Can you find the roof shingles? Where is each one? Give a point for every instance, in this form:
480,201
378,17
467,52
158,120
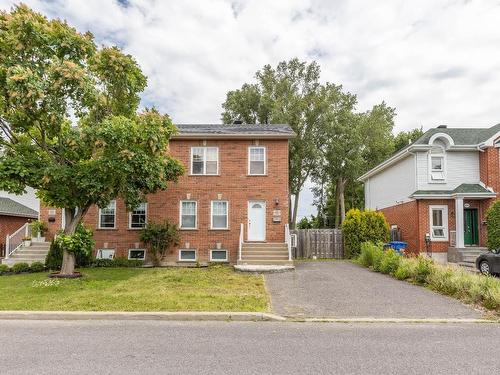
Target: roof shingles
236,129
10,207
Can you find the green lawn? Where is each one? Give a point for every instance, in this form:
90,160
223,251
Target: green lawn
136,289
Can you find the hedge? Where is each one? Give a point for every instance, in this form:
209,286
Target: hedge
363,226
493,220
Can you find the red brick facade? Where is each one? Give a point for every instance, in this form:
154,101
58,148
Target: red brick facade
413,217
9,224
232,184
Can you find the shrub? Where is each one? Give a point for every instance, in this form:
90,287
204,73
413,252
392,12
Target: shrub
82,246
37,267
367,254
159,237
407,269
117,262
390,262
493,221
20,267
39,226
362,226
4,269
423,269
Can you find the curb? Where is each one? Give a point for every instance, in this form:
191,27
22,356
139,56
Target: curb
394,320
167,316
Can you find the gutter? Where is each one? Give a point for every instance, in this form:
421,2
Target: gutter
232,136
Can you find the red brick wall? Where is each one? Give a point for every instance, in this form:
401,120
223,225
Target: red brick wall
424,227
233,183
405,217
9,224
489,164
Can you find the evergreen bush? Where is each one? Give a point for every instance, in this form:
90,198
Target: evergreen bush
493,229
363,226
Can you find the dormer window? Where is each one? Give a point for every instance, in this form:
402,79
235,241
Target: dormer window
437,164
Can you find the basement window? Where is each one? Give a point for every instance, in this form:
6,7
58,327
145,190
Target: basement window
187,255
105,254
137,254
218,256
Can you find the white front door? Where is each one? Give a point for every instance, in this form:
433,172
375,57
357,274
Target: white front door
256,221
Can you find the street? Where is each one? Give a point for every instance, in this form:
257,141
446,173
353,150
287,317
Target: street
160,347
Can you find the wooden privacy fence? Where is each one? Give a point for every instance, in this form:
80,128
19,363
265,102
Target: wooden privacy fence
322,243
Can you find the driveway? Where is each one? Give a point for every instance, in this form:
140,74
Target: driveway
342,289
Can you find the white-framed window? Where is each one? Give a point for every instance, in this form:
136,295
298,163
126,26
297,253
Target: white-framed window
107,216
437,165
218,255
219,215
257,160
138,217
105,254
188,215
204,160
187,255
137,254
438,223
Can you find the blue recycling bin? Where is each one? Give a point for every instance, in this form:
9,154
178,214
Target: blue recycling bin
399,246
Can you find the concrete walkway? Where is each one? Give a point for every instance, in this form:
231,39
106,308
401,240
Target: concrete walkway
342,289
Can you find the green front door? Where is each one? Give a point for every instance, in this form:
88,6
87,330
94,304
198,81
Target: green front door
471,229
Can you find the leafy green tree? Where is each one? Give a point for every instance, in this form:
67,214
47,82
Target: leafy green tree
68,114
405,138
353,143
493,229
159,237
291,94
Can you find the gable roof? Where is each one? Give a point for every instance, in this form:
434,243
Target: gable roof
276,131
463,139
461,136
10,207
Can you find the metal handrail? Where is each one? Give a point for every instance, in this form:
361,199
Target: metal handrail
288,240
241,241
15,240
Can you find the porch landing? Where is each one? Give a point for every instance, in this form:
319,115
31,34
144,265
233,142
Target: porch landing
465,256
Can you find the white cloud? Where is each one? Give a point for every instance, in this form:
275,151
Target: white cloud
436,61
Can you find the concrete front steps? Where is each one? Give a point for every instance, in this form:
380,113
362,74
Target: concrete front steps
29,254
467,257
265,254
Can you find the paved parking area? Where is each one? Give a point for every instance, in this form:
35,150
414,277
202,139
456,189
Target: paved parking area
342,289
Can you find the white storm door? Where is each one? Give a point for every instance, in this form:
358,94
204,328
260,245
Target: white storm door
256,221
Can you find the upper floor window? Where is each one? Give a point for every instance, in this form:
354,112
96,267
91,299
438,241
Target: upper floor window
438,223
188,215
205,160
257,160
138,217
219,215
437,160
107,216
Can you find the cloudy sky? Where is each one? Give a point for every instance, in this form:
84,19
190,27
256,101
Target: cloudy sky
435,61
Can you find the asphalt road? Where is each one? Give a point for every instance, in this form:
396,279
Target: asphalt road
342,289
154,347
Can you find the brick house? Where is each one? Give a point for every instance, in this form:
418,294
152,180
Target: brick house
13,215
436,191
236,178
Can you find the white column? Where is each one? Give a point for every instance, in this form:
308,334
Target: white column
459,221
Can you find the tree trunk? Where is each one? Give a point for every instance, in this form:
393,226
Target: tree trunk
337,206
342,199
72,218
295,209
